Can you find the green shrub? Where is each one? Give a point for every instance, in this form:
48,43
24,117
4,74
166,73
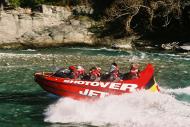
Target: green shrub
30,3
33,3
15,3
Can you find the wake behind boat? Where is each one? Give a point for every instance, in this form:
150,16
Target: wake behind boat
84,89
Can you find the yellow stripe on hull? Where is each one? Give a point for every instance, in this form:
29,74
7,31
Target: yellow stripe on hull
154,87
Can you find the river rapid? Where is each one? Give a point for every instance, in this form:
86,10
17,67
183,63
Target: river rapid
23,103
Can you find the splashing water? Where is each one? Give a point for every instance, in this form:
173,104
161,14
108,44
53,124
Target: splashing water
141,109
179,90
23,102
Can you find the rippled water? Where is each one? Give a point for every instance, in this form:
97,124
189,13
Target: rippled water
24,103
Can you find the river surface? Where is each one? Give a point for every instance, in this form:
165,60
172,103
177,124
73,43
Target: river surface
23,103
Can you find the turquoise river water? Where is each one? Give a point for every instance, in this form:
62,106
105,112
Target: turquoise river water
23,103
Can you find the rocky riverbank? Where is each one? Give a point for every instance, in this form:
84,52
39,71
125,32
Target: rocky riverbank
51,26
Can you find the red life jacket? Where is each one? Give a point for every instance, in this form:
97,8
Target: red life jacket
81,71
95,73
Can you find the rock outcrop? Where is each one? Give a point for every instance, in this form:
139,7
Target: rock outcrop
66,33
51,27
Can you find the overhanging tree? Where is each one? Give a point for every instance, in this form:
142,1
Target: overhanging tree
157,14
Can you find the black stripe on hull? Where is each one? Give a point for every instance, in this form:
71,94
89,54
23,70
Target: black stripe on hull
150,83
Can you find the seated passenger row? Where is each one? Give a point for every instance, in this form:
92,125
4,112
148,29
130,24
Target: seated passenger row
78,73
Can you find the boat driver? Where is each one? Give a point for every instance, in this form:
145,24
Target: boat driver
76,72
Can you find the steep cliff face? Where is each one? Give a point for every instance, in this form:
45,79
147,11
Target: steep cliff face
50,27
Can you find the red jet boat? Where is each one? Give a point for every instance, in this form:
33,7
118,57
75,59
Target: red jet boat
82,89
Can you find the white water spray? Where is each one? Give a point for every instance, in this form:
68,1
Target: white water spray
185,90
141,109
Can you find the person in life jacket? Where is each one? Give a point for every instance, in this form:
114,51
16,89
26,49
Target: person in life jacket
95,74
76,72
80,72
114,72
73,72
134,71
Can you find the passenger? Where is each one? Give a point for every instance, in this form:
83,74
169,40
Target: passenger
80,72
95,74
134,71
114,73
72,74
76,72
